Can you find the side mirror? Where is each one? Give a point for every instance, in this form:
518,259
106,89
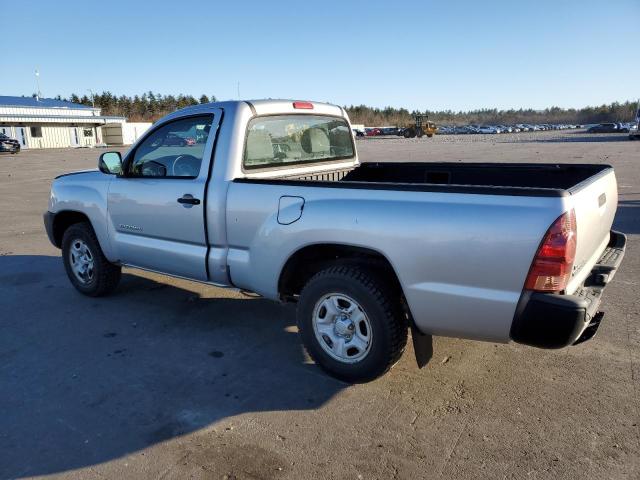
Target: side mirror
110,163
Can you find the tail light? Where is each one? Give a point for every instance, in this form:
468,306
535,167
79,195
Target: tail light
552,265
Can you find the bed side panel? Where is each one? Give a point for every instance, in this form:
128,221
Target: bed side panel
461,259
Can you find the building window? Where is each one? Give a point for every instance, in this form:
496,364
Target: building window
36,132
87,132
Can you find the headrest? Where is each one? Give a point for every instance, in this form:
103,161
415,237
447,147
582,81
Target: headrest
315,140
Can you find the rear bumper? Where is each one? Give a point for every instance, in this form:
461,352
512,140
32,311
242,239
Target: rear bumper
547,320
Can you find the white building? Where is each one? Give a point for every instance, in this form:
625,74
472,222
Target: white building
124,133
50,123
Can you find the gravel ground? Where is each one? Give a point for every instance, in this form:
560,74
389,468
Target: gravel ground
169,379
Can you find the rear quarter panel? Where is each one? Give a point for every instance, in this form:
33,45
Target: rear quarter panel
461,258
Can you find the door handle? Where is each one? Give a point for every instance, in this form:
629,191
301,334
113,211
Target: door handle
187,199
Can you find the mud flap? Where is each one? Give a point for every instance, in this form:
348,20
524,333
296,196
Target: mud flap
422,346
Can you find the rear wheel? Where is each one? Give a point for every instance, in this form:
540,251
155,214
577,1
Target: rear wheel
351,323
419,132
87,267
408,133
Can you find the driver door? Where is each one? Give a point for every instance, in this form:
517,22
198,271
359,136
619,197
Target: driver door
156,208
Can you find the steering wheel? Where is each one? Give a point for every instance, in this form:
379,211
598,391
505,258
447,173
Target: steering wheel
186,166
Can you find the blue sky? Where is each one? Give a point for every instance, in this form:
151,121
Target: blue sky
436,55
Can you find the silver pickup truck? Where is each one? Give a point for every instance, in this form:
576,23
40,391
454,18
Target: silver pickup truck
269,196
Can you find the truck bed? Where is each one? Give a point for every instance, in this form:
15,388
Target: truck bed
588,189
489,178
552,176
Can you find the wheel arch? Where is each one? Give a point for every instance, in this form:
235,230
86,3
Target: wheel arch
63,220
310,259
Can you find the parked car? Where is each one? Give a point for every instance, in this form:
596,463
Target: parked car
488,129
373,132
358,133
634,133
493,252
8,144
604,128
172,140
444,130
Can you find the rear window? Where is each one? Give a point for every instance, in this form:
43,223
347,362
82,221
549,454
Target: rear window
280,140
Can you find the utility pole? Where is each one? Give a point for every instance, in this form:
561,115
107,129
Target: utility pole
38,93
93,104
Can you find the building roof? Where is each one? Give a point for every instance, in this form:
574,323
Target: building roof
74,119
39,103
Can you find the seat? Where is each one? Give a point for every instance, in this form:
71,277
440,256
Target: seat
316,141
259,147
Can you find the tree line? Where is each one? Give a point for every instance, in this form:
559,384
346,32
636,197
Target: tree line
151,106
614,112
147,107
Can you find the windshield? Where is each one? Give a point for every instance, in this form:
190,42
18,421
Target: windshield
2,135
291,139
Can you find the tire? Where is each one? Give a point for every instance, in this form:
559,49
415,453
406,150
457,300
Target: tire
101,277
429,135
419,133
378,310
408,133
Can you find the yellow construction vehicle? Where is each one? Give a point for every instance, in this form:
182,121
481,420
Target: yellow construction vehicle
422,126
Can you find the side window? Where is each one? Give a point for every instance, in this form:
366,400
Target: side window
173,150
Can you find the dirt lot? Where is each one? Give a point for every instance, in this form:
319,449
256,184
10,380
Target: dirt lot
168,379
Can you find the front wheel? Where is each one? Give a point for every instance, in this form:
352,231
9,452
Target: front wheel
87,267
352,323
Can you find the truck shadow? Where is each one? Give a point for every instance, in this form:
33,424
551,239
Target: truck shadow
628,217
85,380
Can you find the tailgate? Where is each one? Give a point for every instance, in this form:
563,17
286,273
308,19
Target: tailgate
595,202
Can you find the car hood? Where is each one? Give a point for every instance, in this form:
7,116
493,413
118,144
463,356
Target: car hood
88,173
